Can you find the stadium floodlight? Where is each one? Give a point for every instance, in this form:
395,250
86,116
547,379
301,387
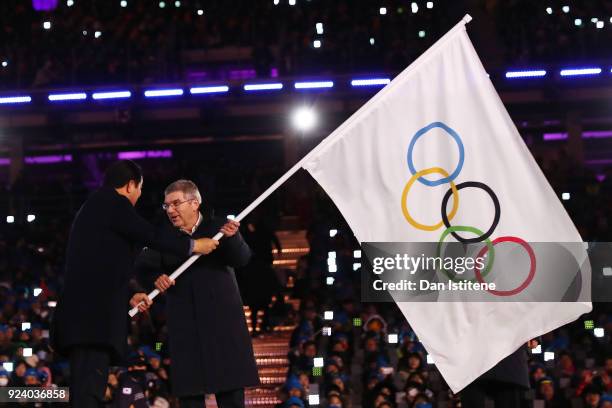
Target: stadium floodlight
580,71
304,119
15,99
177,4
531,73
263,87
160,93
208,89
5,63
162,4
111,95
370,82
74,96
313,85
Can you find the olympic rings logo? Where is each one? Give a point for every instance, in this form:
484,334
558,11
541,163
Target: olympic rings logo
446,217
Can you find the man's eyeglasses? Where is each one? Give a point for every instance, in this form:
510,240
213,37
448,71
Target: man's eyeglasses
174,204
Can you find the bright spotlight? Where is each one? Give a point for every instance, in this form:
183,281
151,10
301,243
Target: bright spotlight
382,11
31,217
10,219
549,10
47,25
414,7
304,119
200,12
123,3
319,27
316,43
565,9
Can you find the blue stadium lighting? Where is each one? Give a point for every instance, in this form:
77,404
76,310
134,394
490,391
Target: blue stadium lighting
370,82
526,74
208,89
111,95
156,93
15,99
78,96
580,71
263,87
314,85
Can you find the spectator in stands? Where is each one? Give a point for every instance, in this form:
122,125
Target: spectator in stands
547,392
4,377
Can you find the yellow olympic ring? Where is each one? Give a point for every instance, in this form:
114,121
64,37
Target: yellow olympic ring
414,178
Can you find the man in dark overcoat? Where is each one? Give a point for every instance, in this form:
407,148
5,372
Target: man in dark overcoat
209,343
90,324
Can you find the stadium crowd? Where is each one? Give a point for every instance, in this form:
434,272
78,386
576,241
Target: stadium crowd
137,41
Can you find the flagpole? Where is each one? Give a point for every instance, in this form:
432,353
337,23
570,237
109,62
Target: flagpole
327,141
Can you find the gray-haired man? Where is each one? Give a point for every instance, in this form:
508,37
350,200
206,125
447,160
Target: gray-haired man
210,347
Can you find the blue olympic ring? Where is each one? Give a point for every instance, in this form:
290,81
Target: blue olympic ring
454,135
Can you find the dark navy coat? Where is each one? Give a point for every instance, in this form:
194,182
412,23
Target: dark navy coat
106,236
209,343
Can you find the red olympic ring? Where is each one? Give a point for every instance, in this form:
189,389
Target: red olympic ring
532,268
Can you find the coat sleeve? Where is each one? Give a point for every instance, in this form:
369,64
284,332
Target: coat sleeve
235,251
148,267
127,222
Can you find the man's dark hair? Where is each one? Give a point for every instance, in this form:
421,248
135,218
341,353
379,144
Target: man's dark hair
122,172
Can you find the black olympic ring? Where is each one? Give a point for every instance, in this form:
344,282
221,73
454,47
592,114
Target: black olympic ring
491,193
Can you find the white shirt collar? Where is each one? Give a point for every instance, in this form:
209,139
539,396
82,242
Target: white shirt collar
196,225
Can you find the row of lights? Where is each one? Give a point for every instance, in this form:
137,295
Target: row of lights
578,21
10,219
567,72
169,92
